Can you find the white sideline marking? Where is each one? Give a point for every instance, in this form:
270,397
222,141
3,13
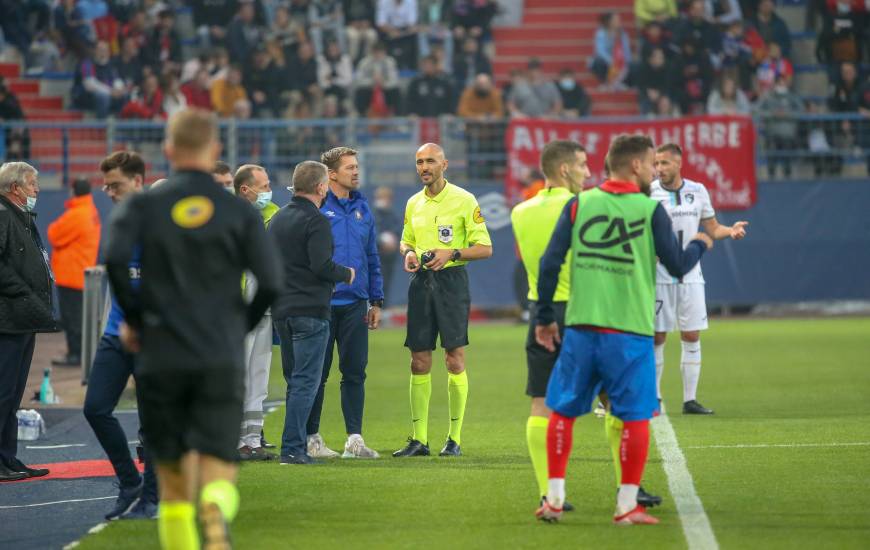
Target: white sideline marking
696,526
95,529
54,502
56,446
781,445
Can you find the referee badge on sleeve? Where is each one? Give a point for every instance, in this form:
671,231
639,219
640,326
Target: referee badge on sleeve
445,233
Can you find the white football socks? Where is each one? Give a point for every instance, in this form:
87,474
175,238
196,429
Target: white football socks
690,366
626,498
660,368
556,493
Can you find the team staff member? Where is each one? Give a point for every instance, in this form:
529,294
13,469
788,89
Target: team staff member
301,311
355,309
75,242
251,183
123,177
442,221
223,175
614,234
25,304
196,242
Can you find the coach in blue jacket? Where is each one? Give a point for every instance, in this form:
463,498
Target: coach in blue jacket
356,308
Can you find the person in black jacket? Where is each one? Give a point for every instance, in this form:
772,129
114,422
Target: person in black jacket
430,93
301,311
189,319
25,304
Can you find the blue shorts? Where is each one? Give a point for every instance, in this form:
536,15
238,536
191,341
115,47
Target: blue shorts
623,365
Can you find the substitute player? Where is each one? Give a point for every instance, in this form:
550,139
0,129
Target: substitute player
565,167
614,234
443,231
680,301
189,315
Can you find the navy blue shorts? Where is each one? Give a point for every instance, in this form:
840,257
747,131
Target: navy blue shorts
621,364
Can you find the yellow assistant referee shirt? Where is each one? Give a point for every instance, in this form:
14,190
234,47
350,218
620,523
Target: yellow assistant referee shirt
533,222
451,219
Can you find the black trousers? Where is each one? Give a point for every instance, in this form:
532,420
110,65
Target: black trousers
70,302
16,352
111,370
348,328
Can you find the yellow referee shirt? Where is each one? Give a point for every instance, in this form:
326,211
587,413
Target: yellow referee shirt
451,219
534,221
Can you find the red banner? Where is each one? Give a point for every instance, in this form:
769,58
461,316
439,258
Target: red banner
718,151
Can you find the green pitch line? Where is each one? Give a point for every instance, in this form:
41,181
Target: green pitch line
770,382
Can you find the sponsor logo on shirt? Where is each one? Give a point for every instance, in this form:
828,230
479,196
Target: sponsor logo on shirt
192,212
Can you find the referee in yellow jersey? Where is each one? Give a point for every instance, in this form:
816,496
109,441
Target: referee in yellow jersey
443,231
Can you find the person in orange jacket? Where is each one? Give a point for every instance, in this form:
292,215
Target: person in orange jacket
75,242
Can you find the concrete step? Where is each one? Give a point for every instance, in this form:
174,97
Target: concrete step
794,17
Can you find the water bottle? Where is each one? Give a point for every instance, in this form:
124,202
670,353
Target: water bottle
30,425
46,392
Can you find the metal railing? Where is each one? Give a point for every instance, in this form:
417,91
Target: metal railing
96,304
803,145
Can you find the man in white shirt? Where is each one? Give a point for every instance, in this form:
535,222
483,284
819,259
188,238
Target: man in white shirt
680,303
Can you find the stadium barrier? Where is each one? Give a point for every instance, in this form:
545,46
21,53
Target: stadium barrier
831,145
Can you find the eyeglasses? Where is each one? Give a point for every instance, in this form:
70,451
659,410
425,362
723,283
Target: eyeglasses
111,187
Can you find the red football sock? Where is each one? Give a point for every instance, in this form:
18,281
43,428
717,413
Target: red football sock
560,432
633,450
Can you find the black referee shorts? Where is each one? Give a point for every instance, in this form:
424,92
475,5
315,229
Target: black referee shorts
539,360
439,302
197,410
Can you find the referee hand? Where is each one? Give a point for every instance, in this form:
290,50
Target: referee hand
442,256
548,336
412,264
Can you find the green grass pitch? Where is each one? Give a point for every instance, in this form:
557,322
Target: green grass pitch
778,387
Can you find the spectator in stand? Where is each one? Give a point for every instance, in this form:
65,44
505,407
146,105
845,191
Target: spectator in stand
377,75
575,100
227,91
262,83
430,93
302,71
286,31
655,35
335,72
210,17
192,65
665,108
653,81
612,56
18,138
469,63
534,96
299,12
771,27
771,69
221,65
697,29
174,99
728,99
397,23
97,85
136,28
647,11
129,63
147,102
779,125
481,100
75,241
851,96
844,31
435,32
737,55
243,33
474,18
163,51
197,92
361,35
326,23
76,33
723,12
693,72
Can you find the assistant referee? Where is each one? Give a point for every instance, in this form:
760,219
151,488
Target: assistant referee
443,231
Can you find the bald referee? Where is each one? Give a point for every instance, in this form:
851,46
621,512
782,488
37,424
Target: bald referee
196,241
443,231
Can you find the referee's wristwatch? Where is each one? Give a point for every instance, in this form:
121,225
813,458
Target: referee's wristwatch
377,303
456,256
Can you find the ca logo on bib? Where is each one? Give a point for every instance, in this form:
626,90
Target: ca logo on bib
445,233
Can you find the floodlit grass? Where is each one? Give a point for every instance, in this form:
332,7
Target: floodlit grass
786,383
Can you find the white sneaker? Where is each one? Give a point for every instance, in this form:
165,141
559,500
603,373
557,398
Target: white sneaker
356,448
317,447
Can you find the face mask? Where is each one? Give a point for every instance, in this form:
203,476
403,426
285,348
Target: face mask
382,204
262,200
31,204
567,84
230,189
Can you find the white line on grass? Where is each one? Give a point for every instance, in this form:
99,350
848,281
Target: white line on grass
696,525
782,445
54,502
44,447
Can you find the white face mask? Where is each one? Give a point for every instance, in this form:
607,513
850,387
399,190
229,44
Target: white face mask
262,200
230,189
30,204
